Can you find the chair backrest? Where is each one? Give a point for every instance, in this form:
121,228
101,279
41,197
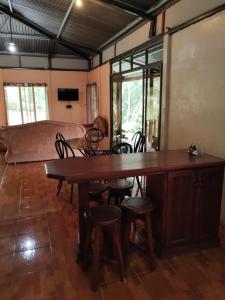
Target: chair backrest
94,135
59,136
141,147
136,140
122,148
63,149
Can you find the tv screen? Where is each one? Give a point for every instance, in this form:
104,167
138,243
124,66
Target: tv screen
68,94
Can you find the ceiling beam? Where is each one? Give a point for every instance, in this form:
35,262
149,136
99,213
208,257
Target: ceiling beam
24,36
71,46
10,5
65,19
131,9
155,9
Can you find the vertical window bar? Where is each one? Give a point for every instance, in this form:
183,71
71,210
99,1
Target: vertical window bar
46,103
21,107
34,104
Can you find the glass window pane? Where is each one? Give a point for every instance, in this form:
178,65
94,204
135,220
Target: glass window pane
155,54
116,67
13,105
139,59
132,104
41,103
27,104
126,64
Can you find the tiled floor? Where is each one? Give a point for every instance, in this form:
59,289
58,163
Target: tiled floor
37,241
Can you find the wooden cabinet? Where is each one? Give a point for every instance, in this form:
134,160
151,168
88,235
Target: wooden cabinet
189,202
180,206
208,203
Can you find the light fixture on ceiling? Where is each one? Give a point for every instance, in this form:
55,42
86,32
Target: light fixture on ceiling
11,45
79,3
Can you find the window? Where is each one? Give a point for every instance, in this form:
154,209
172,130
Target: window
92,102
26,103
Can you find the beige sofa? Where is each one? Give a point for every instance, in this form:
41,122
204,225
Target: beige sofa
36,141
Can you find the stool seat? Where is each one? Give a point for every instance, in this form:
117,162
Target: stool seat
120,184
97,188
103,215
137,205
119,189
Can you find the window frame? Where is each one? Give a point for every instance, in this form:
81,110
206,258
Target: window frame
19,86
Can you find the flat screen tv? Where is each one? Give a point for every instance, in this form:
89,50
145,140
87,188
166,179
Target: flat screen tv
68,94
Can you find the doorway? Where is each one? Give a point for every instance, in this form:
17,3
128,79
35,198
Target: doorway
136,105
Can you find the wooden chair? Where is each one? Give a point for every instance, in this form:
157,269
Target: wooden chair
95,189
64,151
139,146
136,208
99,218
94,135
136,140
121,187
59,136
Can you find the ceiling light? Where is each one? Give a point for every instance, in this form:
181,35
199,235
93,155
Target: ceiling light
12,47
79,3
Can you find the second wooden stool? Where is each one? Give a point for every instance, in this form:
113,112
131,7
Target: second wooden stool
134,208
97,219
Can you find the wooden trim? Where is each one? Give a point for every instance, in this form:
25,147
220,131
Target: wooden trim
46,69
196,19
23,84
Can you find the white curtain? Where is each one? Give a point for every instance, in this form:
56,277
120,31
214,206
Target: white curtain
92,102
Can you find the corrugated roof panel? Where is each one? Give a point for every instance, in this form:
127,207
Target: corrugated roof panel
46,13
94,23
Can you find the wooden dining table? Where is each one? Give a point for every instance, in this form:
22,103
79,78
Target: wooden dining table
186,192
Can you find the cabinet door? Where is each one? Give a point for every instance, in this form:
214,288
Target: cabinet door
179,211
209,195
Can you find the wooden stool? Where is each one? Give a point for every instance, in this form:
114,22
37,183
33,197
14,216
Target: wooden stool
134,208
99,218
119,189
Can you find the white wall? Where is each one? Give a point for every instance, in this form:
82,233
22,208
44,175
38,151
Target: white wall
197,88
185,10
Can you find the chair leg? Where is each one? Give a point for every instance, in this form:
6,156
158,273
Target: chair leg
59,187
96,258
86,246
118,248
126,236
148,229
71,194
139,186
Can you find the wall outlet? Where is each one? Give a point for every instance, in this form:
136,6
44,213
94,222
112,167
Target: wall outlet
69,106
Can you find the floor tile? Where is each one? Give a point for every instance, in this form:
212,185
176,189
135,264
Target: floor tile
27,225
32,241
6,265
8,227
33,260
7,245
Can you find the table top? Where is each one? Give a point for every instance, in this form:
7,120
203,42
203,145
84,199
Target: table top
126,165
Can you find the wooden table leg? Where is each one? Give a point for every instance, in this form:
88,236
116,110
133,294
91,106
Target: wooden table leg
83,201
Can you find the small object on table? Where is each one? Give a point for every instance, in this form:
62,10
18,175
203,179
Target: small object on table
194,150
